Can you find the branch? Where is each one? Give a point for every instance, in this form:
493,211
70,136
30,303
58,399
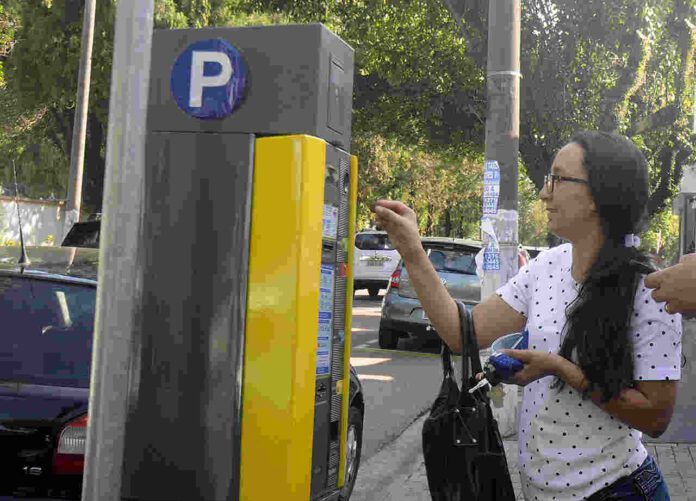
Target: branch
662,192
470,14
637,81
663,117
630,78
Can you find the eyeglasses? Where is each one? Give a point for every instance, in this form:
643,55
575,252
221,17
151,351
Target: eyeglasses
551,179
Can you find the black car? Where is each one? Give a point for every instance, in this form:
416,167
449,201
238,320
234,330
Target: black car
47,311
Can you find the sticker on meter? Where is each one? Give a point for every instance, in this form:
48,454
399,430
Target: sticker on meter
324,338
326,286
326,289
324,344
324,326
330,222
323,362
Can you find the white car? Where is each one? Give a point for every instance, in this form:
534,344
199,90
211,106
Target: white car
375,261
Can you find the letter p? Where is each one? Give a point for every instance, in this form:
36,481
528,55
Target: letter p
199,81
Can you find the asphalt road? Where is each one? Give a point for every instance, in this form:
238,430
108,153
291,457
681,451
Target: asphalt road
399,385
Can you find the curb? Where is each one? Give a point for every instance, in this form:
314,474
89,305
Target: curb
387,473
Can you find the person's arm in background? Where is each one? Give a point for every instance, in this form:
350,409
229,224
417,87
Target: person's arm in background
492,317
676,285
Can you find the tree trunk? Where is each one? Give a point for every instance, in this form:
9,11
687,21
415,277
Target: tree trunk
93,187
448,222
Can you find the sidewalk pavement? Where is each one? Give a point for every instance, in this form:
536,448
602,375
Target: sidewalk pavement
397,472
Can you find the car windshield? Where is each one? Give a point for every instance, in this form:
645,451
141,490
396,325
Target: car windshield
46,335
453,261
371,241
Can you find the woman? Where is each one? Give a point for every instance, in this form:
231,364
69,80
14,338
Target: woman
604,357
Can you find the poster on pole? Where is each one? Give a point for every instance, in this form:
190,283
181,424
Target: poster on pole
491,187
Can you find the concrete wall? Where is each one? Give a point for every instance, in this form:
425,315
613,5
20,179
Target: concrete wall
42,221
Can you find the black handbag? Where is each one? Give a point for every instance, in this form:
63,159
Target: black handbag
462,447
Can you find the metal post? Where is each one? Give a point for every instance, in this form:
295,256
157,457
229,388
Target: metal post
77,154
502,145
119,254
502,131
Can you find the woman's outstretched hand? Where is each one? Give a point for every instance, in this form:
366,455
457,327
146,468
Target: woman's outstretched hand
400,223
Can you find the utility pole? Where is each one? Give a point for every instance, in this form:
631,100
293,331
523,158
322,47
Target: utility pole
77,153
502,134
121,268
499,224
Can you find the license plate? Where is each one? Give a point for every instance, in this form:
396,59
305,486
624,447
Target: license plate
374,263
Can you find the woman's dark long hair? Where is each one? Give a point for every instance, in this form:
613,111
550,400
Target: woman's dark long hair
598,321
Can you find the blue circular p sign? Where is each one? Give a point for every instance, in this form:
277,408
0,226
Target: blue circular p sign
209,79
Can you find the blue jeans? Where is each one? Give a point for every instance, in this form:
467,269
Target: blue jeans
644,484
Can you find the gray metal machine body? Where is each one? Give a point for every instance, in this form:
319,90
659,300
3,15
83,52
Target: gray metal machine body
182,430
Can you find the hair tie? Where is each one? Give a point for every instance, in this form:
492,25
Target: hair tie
631,240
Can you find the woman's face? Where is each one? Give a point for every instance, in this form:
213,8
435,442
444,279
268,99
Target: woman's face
570,207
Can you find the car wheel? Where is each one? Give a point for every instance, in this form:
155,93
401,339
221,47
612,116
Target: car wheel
353,450
388,339
373,291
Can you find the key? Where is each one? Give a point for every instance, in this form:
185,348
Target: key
481,384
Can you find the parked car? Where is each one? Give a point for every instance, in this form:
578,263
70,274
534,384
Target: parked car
454,260
402,313
47,311
375,259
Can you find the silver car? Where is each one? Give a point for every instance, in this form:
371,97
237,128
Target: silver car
375,261
402,313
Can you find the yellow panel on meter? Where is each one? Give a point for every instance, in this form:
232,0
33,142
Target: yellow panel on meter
281,322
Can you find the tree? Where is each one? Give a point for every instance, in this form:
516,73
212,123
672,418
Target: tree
419,103
613,65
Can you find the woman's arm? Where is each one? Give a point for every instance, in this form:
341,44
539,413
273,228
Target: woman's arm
648,408
434,297
492,317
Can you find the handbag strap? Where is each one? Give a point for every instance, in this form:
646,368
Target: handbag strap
447,368
469,347
470,352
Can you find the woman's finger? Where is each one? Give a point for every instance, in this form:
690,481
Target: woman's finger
393,205
520,355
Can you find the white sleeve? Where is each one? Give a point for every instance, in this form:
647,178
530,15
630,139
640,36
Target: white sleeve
657,339
517,292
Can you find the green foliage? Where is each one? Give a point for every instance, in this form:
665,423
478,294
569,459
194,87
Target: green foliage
613,65
443,190
419,96
532,213
662,236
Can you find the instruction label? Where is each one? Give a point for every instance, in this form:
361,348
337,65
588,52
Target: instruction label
330,222
326,286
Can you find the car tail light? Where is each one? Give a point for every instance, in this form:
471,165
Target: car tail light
395,279
70,453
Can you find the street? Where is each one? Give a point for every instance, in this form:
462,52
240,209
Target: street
399,386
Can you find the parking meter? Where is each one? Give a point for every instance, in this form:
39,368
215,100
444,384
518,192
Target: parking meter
239,369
